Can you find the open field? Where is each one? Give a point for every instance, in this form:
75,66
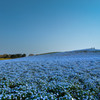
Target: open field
5,58
57,76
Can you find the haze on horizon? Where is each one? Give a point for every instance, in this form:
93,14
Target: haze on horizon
39,26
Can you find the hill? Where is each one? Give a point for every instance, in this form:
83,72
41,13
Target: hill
64,76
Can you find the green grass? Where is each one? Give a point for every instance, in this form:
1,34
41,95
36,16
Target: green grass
48,53
4,58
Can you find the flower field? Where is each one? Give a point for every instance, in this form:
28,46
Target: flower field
58,76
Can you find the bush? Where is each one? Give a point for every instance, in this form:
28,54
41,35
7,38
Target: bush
23,55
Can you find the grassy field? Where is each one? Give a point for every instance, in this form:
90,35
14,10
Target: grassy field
4,58
47,53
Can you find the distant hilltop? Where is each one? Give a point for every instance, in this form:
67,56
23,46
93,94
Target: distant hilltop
88,50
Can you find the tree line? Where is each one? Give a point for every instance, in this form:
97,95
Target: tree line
12,55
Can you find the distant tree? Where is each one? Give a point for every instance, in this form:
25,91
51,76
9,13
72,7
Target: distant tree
13,56
23,55
9,56
18,55
0,56
5,56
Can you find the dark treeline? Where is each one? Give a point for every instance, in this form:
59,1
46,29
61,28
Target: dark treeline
12,55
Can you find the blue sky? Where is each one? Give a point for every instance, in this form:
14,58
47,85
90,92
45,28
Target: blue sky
38,26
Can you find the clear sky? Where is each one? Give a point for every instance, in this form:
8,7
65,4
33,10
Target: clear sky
38,26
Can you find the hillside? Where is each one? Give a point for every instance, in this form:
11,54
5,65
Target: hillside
64,76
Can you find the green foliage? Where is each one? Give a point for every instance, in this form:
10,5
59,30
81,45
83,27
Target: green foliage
8,56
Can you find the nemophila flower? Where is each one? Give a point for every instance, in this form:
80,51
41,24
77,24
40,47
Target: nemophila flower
51,77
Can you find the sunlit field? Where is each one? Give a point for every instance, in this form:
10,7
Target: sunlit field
5,58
